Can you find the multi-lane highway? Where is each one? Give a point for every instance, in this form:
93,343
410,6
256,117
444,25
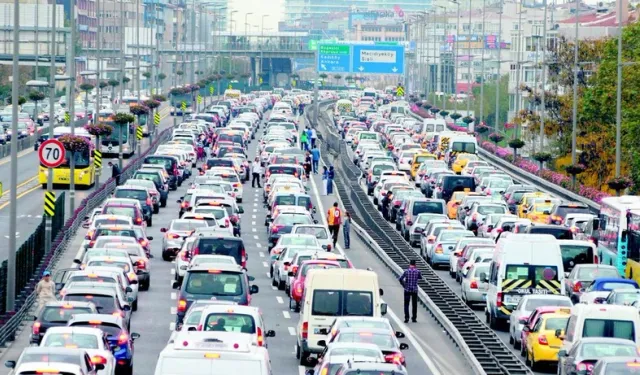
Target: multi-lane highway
31,194
430,352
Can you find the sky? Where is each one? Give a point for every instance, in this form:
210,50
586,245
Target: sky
271,8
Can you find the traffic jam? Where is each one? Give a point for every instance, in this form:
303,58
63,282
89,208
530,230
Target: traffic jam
525,260
93,326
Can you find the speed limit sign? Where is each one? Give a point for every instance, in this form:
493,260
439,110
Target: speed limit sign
51,153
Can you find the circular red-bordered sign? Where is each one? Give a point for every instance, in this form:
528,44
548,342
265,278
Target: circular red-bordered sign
51,153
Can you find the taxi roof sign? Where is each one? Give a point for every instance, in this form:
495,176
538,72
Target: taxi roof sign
212,342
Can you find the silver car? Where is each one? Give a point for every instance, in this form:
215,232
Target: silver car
484,230
474,290
527,304
419,226
281,265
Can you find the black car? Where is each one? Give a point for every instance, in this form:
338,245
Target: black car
57,314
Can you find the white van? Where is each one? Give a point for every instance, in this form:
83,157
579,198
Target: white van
330,293
434,125
209,353
617,321
522,264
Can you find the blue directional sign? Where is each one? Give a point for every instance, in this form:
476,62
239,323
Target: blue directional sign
378,59
334,58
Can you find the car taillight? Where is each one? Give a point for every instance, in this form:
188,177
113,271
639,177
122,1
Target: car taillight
395,358
36,328
260,337
123,338
305,330
243,257
577,286
409,220
499,299
119,314
584,366
195,251
184,204
173,235
89,235
98,360
138,220
439,249
182,305
298,289
143,242
91,243
141,264
542,340
294,269
184,255
473,284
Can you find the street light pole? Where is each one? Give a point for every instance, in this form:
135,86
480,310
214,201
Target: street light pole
98,75
544,76
618,92
48,224
138,72
13,198
122,66
72,106
482,75
37,43
455,58
246,22
574,126
469,91
498,78
518,53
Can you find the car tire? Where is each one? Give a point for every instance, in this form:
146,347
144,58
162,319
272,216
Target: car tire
493,322
166,257
273,280
163,203
453,275
303,358
516,344
145,286
281,285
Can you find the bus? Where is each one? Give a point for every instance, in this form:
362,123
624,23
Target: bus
232,94
616,219
84,173
110,145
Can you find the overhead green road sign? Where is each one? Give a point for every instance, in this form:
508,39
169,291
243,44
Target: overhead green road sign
334,49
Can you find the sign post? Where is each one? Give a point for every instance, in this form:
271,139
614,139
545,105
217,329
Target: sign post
51,154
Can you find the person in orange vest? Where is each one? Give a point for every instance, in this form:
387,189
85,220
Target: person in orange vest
334,219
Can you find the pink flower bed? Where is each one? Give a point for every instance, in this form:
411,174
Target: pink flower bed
533,167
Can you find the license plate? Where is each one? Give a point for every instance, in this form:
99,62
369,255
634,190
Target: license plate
532,291
316,331
211,345
512,300
484,297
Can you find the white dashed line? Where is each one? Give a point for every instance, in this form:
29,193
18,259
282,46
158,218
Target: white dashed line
173,311
173,261
173,271
174,296
279,299
264,264
292,331
261,254
256,237
273,287
268,275
255,210
253,216
258,245
253,223
172,326
286,314
254,230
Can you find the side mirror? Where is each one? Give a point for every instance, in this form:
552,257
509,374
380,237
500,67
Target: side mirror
179,200
489,227
128,290
99,366
254,289
400,335
322,343
163,230
383,309
562,353
77,261
192,329
431,239
126,308
404,346
149,238
287,264
175,285
10,364
380,290
240,209
315,221
270,333
314,210
135,336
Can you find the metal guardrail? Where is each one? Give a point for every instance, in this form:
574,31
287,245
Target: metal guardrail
531,179
483,349
10,322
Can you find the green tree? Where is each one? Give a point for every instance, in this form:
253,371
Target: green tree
490,101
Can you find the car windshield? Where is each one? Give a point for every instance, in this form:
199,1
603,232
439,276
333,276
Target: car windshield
320,233
75,340
435,207
486,210
384,341
218,213
534,303
292,219
591,273
230,322
184,226
451,235
563,211
215,283
59,314
104,304
575,254
108,328
132,194
115,232
39,357
307,267
553,324
299,241
124,211
598,350
111,221
626,298
109,263
342,302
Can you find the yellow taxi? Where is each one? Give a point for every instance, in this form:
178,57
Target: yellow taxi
538,212
542,343
454,202
418,158
461,162
525,202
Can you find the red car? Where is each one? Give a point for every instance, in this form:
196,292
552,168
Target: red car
297,285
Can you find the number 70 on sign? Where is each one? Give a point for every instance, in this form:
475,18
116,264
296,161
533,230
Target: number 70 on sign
51,153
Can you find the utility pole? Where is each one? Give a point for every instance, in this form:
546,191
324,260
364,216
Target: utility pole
37,43
72,104
499,78
13,198
48,223
455,58
618,90
98,74
139,143
122,66
518,53
482,75
574,127
544,75
470,62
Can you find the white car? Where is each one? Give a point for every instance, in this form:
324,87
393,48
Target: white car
202,259
92,340
237,319
320,231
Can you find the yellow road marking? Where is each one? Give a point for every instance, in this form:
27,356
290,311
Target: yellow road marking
21,184
21,195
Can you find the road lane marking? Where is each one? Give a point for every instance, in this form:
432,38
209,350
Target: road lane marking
292,331
254,230
256,237
279,299
20,184
269,276
286,314
174,296
173,311
173,271
21,195
20,154
261,254
264,264
258,245
172,326
302,370
253,216
253,223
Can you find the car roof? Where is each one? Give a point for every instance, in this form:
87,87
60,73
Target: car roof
368,330
216,266
107,318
